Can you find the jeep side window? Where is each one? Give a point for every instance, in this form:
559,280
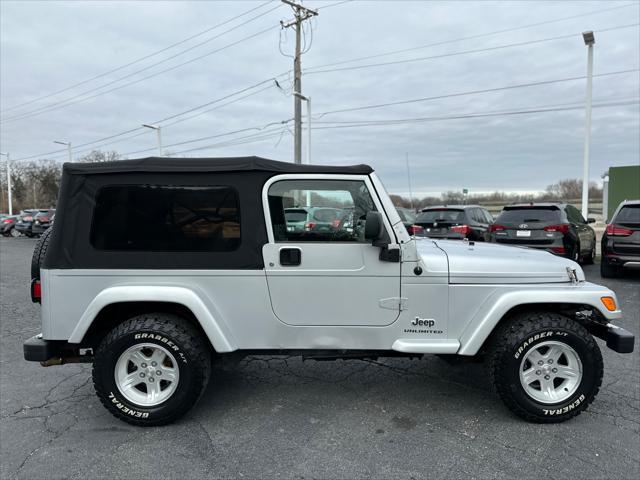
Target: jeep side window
319,210
166,218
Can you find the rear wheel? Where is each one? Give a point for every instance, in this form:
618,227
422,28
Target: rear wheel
14,233
151,369
545,367
608,271
590,258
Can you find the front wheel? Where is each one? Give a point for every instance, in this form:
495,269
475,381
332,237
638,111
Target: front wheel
151,369
545,367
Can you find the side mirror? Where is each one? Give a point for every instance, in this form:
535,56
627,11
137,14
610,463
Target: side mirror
373,227
591,220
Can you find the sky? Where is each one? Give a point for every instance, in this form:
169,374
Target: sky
82,71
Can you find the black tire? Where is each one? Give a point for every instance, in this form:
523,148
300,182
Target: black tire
574,253
193,360
39,251
591,257
509,347
608,271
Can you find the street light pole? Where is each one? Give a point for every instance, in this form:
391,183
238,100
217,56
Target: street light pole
409,180
158,130
9,196
68,144
589,41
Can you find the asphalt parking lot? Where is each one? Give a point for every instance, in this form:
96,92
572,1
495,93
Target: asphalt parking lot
280,417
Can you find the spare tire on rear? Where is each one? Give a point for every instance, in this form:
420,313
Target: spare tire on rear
39,252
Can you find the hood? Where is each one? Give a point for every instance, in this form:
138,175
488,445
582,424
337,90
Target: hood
479,262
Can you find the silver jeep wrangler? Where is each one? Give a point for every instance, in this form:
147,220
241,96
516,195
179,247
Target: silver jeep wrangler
157,267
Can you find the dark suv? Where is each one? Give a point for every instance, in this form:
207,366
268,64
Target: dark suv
42,221
26,220
455,222
621,240
556,227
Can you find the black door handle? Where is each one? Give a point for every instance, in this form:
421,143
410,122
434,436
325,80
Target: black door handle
290,257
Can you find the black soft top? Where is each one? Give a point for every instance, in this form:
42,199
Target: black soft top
70,246
191,165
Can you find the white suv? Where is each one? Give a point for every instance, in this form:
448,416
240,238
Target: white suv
156,267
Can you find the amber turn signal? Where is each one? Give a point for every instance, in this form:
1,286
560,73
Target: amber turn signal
609,303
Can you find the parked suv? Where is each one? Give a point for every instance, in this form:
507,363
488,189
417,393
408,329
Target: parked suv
26,220
41,221
621,240
313,221
155,267
455,222
556,227
7,225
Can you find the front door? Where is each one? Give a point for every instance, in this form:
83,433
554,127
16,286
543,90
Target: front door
320,269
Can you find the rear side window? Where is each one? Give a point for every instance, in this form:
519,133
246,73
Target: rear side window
629,214
527,214
166,218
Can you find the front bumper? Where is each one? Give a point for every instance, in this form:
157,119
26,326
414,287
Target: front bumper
618,339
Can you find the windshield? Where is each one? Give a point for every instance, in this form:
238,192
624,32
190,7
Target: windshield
529,214
441,216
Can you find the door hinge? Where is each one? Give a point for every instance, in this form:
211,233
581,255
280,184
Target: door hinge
393,303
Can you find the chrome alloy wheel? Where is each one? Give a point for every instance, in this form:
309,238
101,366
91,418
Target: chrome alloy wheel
551,372
147,374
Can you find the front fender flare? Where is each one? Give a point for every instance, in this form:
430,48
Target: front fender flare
500,303
221,341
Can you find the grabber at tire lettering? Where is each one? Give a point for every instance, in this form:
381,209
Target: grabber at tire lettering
545,367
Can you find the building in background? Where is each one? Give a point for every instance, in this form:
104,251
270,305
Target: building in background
624,184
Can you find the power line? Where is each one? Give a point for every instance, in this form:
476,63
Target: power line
352,109
472,92
240,141
262,129
403,121
262,82
463,52
82,98
140,59
193,109
202,112
470,37
323,7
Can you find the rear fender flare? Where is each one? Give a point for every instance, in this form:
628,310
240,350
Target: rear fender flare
211,322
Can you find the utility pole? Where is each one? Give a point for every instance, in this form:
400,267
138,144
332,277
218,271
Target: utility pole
301,14
589,40
9,196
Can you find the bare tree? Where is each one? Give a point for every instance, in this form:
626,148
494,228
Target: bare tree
100,156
